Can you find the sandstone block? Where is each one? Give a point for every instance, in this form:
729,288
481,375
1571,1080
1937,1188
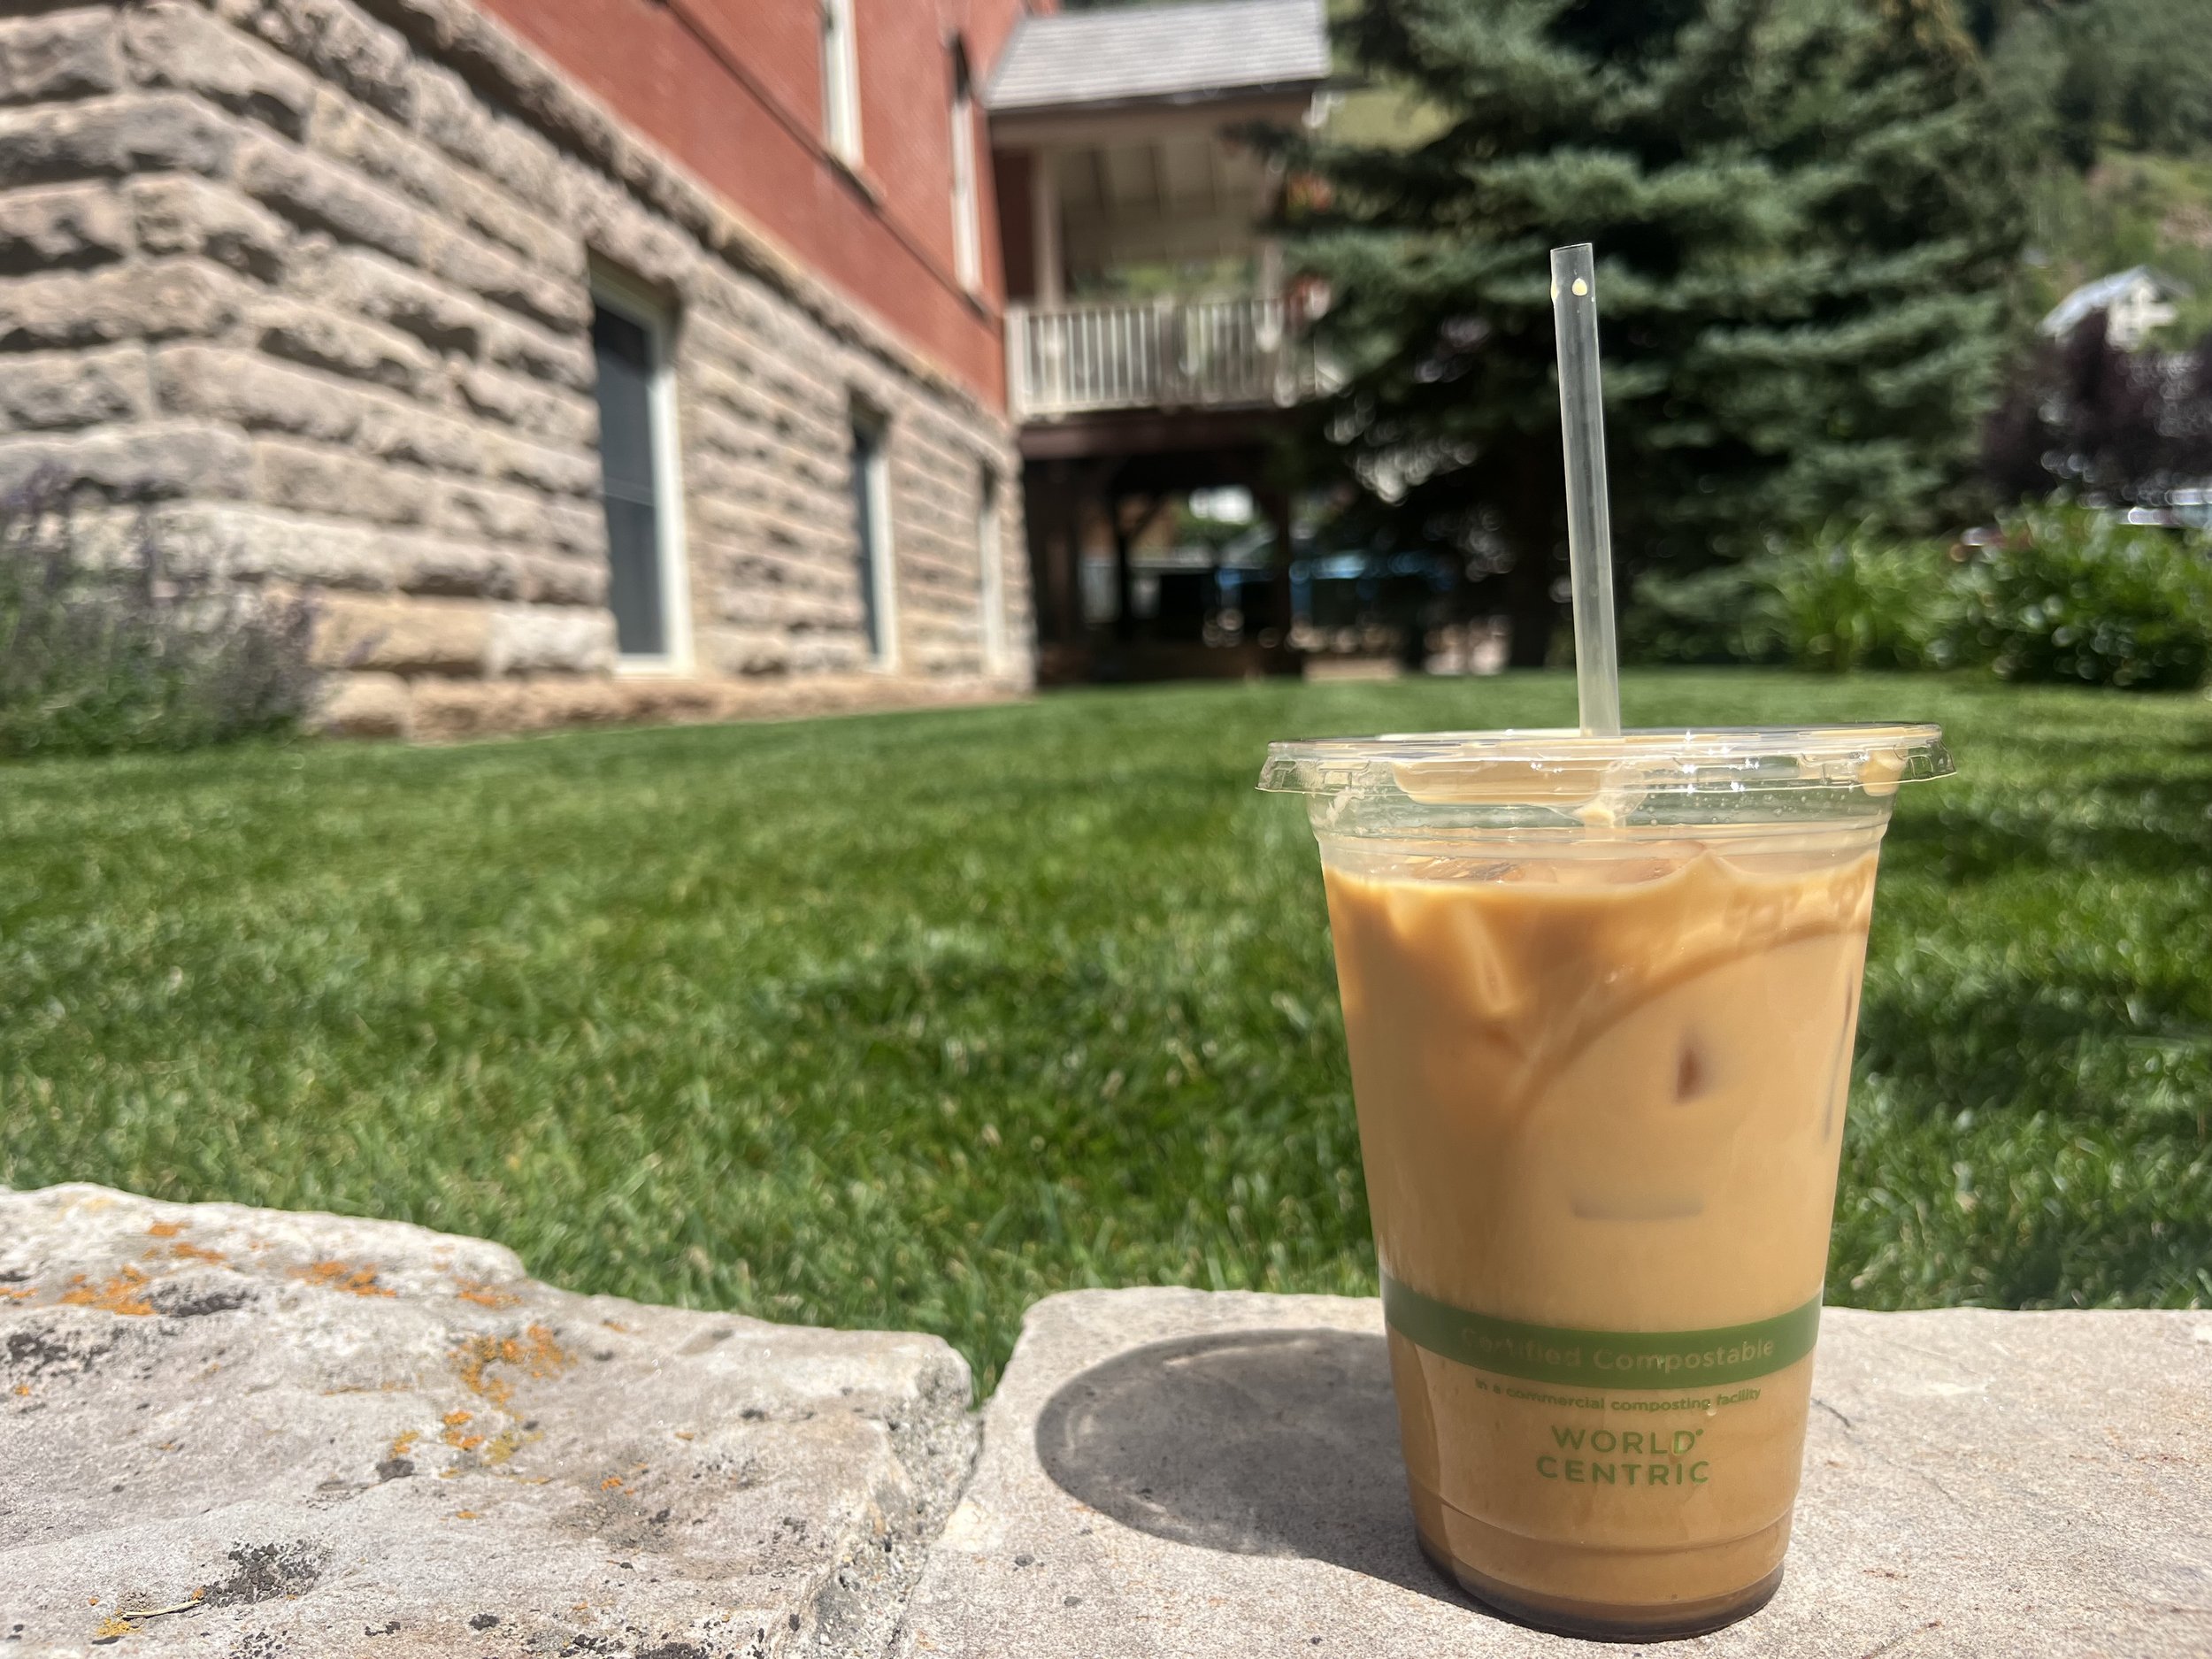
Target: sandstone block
318,194
560,415
337,43
553,639
173,44
462,258
551,250
641,241
110,137
744,652
333,483
255,392
179,213
550,580
447,710
257,545
72,55
560,360
317,1435
409,636
469,570
325,338
521,519
578,527
373,144
562,471
395,430
263,394
73,388
68,224
364,705
153,462
521,162
362,284
1168,1472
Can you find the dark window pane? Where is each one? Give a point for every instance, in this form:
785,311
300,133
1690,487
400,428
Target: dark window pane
633,577
866,445
623,351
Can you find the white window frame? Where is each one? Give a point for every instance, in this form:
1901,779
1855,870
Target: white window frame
990,551
881,553
652,313
840,80
967,224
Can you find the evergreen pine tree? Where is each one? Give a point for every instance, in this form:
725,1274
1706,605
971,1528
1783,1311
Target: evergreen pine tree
1806,221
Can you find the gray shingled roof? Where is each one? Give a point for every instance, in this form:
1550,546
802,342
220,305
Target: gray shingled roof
1170,53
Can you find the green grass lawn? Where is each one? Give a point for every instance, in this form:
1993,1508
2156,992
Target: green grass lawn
907,1020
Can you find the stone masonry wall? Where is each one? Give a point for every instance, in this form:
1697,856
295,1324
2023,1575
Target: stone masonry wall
309,282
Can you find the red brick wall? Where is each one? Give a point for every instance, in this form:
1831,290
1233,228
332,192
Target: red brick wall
733,89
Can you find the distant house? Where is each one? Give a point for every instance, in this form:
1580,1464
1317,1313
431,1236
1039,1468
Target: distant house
2134,302
1152,345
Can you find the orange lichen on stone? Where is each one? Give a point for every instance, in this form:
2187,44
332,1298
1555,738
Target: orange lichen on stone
16,1295
125,1293
535,1353
165,1229
482,1294
454,1437
404,1444
23,1389
467,1515
355,1281
186,1251
112,1629
612,1483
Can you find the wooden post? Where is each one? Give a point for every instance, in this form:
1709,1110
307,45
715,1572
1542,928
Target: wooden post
1044,227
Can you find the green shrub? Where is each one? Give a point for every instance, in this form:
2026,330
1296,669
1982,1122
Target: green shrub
2067,594
1849,601
101,653
2076,596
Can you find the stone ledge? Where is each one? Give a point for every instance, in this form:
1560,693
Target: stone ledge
1172,1472
233,1431
244,1432
427,708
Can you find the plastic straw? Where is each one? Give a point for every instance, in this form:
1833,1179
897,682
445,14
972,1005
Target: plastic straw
1574,305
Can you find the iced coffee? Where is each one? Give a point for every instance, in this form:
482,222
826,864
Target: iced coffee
1599,996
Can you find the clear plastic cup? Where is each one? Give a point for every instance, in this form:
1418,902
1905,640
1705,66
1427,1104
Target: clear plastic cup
1600,994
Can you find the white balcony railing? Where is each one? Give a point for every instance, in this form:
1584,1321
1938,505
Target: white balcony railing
1176,352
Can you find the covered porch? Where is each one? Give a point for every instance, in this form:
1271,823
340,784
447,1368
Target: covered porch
1153,349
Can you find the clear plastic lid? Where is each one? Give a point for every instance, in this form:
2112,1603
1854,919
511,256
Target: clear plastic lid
1558,768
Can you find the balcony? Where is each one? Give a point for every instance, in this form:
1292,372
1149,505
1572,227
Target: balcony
1227,351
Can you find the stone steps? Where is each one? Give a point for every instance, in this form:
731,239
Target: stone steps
255,1434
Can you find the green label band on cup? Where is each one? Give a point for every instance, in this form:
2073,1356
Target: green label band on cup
1601,1359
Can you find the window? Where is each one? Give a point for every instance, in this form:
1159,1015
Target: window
638,480
967,236
840,80
991,574
872,522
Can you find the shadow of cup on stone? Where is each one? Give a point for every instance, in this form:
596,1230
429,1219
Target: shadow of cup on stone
1258,1443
